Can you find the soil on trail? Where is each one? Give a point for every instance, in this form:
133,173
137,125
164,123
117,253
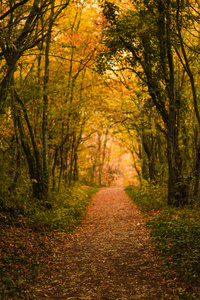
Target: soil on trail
108,257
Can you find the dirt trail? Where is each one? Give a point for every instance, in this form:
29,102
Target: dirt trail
108,257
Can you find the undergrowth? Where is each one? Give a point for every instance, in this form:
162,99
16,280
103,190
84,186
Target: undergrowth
67,209
25,223
174,231
148,197
177,235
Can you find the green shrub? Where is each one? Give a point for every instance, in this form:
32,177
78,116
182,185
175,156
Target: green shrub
177,236
63,211
67,209
148,197
175,232
16,272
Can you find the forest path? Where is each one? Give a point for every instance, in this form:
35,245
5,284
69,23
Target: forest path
108,257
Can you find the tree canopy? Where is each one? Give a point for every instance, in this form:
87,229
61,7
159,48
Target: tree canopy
84,84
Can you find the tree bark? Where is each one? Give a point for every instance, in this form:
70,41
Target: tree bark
34,176
16,159
45,107
171,137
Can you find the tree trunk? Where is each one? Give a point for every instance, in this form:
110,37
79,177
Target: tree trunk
99,156
45,109
75,172
171,137
33,171
17,153
54,169
197,174
151,157
70,175
16,160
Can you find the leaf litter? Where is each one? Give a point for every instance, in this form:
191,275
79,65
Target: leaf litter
110,256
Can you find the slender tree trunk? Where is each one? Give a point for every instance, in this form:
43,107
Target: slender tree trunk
16,159
70,177
148,147
61,168
54,169
45,109
135,166
197,174
93,169
4,88
99,156
171,138
34,160
34,175
75,172
17,154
